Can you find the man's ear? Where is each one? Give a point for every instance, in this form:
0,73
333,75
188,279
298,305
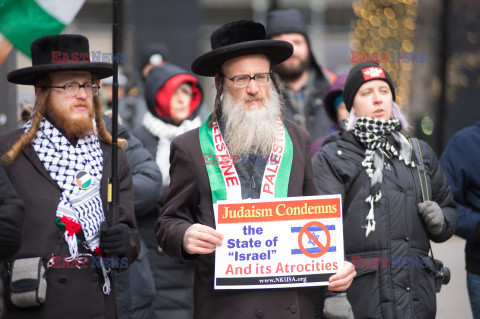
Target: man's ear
217,78
37,89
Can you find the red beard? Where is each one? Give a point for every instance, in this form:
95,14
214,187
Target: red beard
72,127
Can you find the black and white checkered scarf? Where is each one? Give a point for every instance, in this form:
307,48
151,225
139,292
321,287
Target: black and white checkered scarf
373,134
77,170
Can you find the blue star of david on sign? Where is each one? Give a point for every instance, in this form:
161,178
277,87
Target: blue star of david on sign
310,241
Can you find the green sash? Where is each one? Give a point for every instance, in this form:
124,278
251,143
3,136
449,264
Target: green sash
223,178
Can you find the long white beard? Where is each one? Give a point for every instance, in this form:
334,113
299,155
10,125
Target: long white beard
250,130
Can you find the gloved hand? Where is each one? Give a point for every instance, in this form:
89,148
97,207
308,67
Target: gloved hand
432,215
115,240
337,306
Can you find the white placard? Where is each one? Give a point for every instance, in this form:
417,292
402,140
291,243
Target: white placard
279,243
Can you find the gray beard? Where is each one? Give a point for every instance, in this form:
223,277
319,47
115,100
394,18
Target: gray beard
250,131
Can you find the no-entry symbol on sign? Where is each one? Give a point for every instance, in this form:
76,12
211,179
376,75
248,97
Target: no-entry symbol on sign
305,231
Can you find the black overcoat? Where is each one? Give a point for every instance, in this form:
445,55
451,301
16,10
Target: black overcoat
71,292
189,201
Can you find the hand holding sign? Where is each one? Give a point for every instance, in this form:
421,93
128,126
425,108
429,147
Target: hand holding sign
201,239
343,278
281,242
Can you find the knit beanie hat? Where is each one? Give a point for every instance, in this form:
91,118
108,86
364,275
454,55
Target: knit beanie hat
153,54
289,21
361,73
285,21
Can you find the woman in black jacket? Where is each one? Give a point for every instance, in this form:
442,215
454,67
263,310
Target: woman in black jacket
174,99
395,205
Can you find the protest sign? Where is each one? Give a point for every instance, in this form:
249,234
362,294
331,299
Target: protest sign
279,243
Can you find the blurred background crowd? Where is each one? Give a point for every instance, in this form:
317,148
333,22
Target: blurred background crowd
431,48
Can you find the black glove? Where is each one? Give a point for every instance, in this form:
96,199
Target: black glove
115,240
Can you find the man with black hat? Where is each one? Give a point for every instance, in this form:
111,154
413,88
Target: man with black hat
59,163
306,82
248,109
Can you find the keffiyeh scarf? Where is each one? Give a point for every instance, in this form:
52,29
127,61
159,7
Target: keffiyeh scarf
373,133
165,133
77,170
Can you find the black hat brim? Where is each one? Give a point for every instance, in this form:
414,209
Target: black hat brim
28,75
209,63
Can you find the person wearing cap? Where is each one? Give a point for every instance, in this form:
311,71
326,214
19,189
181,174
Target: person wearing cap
59,163
174,99
248,109
106,96
460,160
394,201
135,107
153,55
306,82
106,93
335,108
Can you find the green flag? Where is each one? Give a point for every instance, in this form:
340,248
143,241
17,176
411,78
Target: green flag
22,21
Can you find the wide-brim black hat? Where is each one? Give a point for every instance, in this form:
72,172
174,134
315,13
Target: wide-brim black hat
65,52
237,39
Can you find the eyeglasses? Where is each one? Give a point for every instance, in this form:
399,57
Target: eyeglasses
241,81
72,88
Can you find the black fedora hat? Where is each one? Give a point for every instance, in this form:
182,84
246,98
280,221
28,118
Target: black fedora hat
64,52
237,39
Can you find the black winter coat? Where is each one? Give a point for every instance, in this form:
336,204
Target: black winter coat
173,280
147,179
11,217
189,200
12,210
71,292
394,274
135,287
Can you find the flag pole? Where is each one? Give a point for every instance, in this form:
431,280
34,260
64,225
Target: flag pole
113,184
